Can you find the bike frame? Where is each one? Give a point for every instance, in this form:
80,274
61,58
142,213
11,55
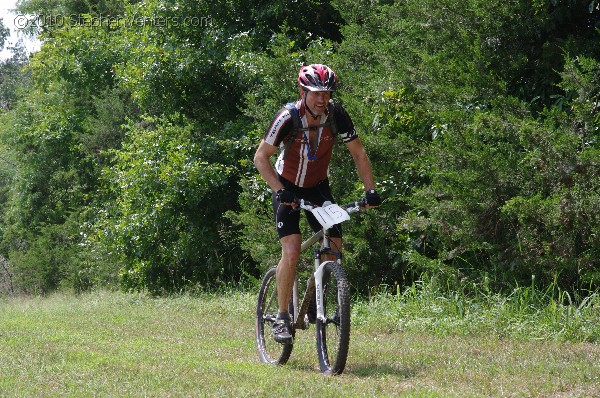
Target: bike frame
315,283
332,324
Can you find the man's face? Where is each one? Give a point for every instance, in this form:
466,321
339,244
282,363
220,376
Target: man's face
317,101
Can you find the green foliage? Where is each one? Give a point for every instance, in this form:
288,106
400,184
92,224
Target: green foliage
555,224
170,183
126,142
506,197
52,260
4,33
257,232
393,127
474,164
175,66
526,312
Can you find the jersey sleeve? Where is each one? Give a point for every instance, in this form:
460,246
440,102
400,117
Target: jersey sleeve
345,127
280,127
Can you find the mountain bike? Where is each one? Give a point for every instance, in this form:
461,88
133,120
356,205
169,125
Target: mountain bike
325,302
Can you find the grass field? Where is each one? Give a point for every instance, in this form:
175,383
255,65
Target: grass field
107,344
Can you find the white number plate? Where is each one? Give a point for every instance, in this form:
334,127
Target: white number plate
330,215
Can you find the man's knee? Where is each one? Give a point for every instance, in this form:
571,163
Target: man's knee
291,255
290,249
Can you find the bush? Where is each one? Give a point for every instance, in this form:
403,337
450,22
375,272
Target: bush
171,185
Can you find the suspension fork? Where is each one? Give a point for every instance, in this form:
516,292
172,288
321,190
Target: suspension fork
295,300
319,291
319,269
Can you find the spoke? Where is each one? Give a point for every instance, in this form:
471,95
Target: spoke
270,301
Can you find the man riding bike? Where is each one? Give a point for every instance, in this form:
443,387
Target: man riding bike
304,131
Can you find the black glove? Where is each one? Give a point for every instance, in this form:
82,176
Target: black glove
373,198
284,196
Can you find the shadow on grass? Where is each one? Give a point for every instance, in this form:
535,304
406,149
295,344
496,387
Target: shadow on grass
364,370
378,369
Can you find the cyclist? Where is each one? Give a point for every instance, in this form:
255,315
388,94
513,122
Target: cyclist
304,133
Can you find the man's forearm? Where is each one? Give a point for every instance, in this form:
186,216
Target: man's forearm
364,169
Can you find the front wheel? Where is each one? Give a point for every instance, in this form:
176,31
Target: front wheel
269,350
333,334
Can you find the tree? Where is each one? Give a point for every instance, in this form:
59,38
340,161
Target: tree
134,126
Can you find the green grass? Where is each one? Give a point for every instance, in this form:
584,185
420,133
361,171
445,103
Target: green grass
107,344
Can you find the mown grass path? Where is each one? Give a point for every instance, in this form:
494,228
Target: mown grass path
121,345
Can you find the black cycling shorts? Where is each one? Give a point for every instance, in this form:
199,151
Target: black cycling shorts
287,221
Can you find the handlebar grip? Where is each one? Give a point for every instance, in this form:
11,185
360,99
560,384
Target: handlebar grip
301,203
305,203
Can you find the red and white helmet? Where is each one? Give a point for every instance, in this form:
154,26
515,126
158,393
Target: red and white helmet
317,77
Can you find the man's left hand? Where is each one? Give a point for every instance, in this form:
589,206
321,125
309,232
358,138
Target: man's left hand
373,198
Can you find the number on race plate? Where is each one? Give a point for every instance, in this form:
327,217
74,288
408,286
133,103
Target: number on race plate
330,215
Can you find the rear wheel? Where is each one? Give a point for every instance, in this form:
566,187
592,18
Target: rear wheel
269,350
333,334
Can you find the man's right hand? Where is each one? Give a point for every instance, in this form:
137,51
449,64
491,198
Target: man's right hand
285,197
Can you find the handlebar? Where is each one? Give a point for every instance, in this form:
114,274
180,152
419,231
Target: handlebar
351,207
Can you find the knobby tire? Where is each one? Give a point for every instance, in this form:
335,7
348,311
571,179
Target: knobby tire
333,335
269,350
